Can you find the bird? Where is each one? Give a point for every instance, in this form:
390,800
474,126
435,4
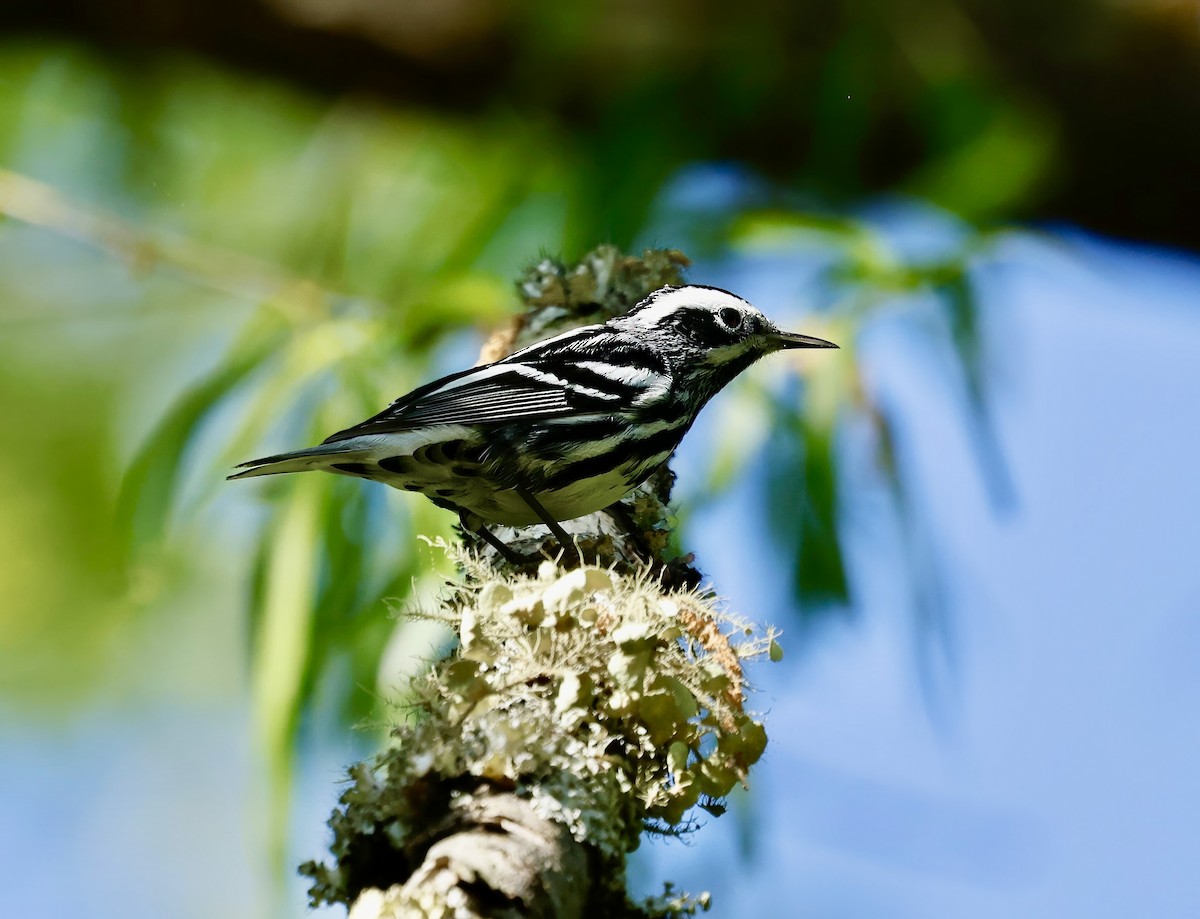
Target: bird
562,428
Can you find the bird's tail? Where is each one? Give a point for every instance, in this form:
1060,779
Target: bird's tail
322,456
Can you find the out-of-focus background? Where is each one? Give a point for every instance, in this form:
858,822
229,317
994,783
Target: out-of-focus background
232,227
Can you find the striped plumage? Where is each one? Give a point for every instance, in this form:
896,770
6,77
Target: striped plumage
564,427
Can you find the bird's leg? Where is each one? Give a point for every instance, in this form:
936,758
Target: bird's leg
634,540
622,516
491,539
569,549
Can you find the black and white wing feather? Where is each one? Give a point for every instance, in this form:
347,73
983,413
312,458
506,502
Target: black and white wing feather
558,378
491,395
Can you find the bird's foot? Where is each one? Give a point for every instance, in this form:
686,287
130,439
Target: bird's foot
513,558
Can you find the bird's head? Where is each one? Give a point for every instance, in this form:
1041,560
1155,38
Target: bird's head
712,335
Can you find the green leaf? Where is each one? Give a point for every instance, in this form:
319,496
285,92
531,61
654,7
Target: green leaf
803,486
149,486
283,645
957,296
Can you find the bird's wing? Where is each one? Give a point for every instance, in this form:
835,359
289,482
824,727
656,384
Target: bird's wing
495,394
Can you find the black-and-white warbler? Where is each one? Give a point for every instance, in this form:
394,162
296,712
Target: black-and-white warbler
560,429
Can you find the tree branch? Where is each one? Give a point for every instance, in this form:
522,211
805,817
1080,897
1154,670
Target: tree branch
580,708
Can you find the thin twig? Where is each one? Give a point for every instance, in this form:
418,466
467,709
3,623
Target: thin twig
244,277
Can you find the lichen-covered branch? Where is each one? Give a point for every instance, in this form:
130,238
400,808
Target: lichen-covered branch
580,709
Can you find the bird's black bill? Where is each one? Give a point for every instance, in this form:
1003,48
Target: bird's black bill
796,340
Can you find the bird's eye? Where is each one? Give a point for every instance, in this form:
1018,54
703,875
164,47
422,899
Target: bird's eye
730,317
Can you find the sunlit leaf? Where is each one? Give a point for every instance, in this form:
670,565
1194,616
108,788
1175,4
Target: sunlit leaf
150,484
283,640
1013,148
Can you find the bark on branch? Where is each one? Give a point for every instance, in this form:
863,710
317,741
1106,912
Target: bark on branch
499,858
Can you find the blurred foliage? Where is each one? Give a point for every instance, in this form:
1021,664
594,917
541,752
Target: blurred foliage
199,267
863,276
1021,109
294,200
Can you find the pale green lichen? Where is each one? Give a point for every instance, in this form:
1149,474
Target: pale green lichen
603,284
609,703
